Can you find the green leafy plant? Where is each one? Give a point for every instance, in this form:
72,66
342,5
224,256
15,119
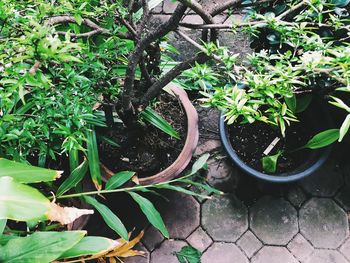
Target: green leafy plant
189,254
301,52
22,202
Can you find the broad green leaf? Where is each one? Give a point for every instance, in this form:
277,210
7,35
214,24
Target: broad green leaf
74,178
2,225
21,202
291,103
93,158
323,139
119,179
344,128
156,120
340,3
151,213
109,217
302,103
24,173
6,238
41,247
269,162
89,246
189,254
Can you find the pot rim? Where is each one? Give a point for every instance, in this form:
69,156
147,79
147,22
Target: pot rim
285,177
186,154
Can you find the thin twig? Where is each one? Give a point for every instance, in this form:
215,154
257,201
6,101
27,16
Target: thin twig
195,44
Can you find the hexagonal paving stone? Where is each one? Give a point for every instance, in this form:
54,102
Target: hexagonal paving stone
224,253
139,259
274,221
345,249
165,253
323,223
249,243
222,175
346,172
207,146
326,256
152,238
273,255
343,197
300,247
225,218
325,182
181,216
296,196
199,239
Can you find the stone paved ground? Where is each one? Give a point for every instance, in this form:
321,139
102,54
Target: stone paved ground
253,221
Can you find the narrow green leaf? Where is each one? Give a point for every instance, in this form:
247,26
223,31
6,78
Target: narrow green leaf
199,164
344,128
151,213
181,190
119,179
73,159
90,245
109,217
43,247
94,160
209,189
269,162
21,202
78,19
25,108
108,140
323,139
156,120
24,173
189,254
74,178
2,225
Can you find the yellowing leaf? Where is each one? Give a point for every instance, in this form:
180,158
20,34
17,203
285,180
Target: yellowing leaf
66,215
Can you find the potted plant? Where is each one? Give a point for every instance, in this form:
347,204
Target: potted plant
275,124
47,235
70,73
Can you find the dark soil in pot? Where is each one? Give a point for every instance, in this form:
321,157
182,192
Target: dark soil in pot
245,145
250,141
154,150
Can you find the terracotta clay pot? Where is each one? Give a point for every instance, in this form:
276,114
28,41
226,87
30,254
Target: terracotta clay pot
186,154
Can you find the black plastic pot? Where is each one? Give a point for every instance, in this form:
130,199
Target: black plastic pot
312,162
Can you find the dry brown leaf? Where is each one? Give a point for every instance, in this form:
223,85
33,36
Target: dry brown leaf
135,179
126,247
66,215
133,253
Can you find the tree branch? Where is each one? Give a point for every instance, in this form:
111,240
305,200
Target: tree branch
195,44
235,4
206,16
135,56
154,90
